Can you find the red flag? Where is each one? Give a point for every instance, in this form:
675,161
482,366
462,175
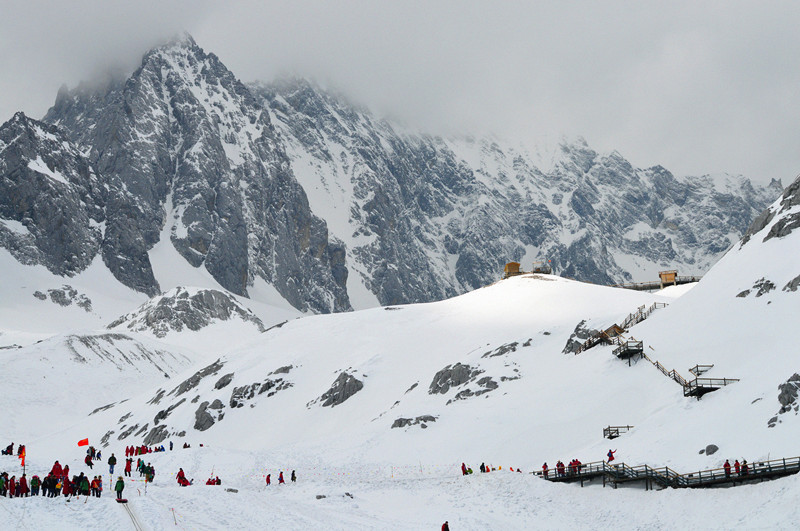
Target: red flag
83,442
22,456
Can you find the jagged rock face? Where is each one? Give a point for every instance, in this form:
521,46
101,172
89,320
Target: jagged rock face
182,142
421,420
787,222
182,149
181,309
787,397
452,376
426,217
51,203
345,386
578,337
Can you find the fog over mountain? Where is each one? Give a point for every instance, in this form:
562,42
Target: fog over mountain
697,88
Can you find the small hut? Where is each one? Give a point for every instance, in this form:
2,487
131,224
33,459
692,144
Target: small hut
668,277
512,270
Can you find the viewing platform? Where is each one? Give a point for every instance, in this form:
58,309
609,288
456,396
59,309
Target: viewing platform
612,432
665,278
628,350
700,386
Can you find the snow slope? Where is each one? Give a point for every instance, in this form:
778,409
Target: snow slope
259,408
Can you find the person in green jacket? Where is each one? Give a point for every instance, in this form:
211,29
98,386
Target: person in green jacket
119,487
84,486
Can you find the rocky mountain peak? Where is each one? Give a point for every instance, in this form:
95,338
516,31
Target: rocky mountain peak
290,184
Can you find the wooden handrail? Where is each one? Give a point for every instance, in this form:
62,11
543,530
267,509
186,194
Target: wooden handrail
669,477
633,318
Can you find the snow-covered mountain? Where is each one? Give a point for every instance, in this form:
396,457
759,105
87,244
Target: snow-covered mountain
425,217
410,379
376,409
288,194
183,145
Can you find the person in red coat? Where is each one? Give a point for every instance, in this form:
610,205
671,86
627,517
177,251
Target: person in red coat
23,486
727,467
128,465
268,479
65,472
12,484
56,470
736,466
610,454
544,470
88,460
280,479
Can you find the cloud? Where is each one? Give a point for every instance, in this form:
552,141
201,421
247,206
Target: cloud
695,86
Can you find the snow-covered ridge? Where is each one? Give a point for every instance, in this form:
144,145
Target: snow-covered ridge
189,309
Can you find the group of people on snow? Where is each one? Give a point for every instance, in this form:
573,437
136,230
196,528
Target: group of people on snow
56,483
133,451
281,481
484,468
9,450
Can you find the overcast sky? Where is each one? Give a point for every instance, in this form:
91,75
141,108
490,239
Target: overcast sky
699,87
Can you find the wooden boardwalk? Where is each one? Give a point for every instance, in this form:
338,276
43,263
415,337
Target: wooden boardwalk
657,285
663,477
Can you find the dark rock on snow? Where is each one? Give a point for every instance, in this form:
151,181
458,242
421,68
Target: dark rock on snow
345,386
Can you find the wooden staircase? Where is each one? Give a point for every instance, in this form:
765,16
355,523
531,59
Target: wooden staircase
612,334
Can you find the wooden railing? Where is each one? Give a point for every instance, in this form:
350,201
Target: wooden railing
612,432
628,348
667,477
697,370
656,284
692,387
636,317
673,374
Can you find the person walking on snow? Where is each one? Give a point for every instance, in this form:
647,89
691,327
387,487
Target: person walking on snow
88,461
280,478
445,527
611,454
111,462
268,480
463,469
294,477
119,487
128,464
